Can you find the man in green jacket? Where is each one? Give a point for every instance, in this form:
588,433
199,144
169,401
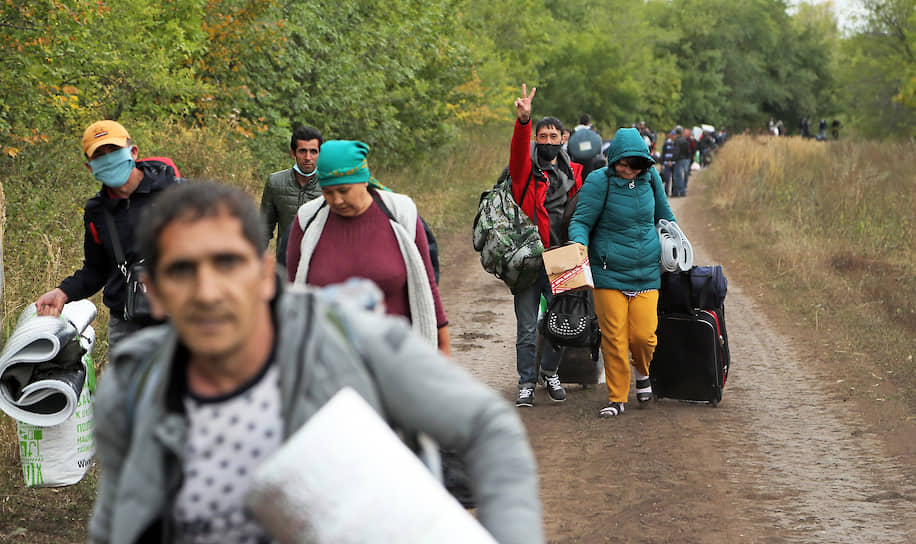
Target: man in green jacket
288,189
187,411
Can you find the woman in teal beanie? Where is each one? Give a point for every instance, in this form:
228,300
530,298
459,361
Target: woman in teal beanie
615,217
360,229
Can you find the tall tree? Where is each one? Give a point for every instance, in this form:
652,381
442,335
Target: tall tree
382,71
879,70
746,60
602,62
812,80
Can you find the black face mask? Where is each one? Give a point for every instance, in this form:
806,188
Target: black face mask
548,152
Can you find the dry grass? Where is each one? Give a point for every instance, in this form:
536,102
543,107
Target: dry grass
829,229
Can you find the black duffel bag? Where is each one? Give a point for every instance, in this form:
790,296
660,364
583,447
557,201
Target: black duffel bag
703,286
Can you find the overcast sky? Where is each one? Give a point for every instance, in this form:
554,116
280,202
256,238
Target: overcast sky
844,9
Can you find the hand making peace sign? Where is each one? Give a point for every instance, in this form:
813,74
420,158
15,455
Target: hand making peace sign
523,104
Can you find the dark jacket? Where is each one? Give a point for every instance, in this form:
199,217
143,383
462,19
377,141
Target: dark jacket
281,199
681,148
100,267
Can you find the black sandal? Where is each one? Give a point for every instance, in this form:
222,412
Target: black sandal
612,409
643,391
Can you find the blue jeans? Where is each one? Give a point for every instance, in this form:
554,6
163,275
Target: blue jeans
527,304
667,176
681,171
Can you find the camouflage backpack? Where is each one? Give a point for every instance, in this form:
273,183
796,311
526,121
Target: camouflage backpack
509,243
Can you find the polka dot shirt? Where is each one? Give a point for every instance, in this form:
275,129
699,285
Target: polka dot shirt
228,438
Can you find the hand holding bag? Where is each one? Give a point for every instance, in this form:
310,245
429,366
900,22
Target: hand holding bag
570,320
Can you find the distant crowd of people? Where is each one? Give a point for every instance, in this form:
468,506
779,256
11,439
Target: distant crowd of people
681,151
775,127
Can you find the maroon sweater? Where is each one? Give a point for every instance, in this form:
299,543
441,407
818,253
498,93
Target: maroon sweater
363,247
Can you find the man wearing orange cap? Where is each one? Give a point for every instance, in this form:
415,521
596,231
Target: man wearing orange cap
128,187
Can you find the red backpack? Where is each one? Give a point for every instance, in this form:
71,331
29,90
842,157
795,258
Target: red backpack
165,160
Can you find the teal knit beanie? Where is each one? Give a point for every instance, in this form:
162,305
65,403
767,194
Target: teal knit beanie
343,161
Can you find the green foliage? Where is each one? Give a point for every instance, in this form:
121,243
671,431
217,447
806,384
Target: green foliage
814,31
742,62
879,70
242,38
594,71
506,51
37,42
403,75
382,71
72,61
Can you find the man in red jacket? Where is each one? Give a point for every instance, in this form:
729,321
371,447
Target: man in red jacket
544,182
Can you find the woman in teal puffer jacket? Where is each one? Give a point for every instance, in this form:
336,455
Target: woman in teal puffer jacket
615,217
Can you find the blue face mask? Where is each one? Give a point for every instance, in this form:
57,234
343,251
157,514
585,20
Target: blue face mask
114,168
301,173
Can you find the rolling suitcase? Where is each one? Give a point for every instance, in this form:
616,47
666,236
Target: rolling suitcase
576,364
692,359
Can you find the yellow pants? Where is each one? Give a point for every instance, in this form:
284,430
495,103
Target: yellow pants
627,326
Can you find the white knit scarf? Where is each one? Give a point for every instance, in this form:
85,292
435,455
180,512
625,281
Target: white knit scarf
419,291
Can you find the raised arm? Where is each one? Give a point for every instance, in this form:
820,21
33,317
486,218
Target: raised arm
523,104
520,151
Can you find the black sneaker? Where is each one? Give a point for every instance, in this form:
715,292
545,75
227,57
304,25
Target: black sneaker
554,389
525,395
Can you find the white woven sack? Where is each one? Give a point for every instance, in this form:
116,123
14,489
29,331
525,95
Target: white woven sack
62,454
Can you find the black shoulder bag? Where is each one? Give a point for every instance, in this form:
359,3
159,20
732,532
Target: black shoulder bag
137,308
570,320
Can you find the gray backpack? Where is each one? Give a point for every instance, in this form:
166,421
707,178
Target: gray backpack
508,241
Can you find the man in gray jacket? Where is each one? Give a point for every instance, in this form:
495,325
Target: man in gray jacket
186,411
286,190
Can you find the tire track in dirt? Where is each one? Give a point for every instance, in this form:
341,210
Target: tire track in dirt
780,459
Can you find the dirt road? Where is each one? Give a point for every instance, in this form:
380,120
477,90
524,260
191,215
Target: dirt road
782,458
